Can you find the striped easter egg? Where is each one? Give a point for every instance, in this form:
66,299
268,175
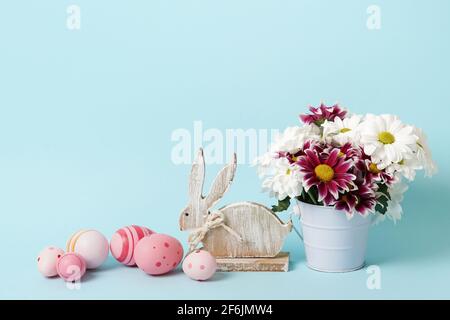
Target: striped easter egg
123,242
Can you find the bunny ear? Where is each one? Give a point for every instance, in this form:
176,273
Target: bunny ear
197,177
221,183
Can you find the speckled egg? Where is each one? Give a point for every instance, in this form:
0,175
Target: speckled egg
71,267
91,245
200,265
158,254
47,259
124,241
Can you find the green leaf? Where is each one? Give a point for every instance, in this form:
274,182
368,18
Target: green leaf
283,205
383,188
383,198
311,196
380,209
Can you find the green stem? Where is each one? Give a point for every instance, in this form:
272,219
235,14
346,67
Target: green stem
312,197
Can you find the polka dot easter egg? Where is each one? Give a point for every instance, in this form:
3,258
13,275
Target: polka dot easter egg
71,267
47,260
158,254
91,245
200,265
124,241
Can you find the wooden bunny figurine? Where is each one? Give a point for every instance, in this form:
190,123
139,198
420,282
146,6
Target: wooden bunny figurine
261,232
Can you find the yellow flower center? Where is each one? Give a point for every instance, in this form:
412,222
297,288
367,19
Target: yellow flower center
341,154
324,172
344,130
402,162
288,172
373,168
294,158
386,137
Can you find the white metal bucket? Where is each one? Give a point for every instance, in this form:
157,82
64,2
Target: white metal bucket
333,243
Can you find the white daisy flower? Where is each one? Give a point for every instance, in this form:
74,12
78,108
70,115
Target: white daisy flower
293,138
424,155
394,209
281,178
343,131
265,163
387,140
285,180
406,168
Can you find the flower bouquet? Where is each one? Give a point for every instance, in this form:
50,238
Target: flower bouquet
342,170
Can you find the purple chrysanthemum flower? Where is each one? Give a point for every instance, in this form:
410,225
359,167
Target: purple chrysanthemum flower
362,200
322,113
370,172
328,172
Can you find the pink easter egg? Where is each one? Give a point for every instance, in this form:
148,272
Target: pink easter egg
91,245
71,267
158,254
124,241
47,259
200,265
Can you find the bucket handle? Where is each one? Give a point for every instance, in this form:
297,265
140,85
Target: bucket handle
298,233
293,227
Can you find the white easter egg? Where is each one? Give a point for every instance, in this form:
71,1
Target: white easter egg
47,260
199,265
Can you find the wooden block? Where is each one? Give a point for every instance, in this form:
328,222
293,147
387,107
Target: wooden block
280,263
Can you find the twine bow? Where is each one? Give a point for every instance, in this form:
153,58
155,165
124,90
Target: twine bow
213,220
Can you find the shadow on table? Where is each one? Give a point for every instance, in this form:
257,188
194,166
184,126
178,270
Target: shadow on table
422,234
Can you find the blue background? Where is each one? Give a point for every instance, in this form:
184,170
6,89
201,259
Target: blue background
86,119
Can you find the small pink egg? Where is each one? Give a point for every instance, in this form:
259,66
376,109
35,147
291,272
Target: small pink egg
47,261
71,267
124,241
158,254
200,265
91,245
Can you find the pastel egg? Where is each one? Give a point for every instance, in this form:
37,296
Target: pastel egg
71,267
158,254
91,245
200,265
124,241
47,259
